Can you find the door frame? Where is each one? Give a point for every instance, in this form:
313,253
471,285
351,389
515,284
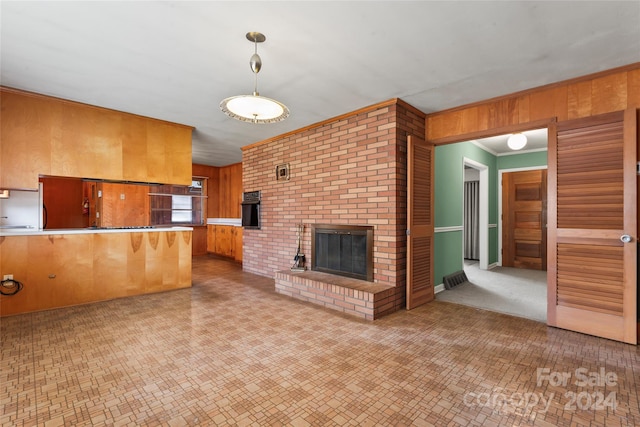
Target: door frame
483,214
500,172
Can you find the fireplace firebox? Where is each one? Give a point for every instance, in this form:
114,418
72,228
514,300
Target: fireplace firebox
345,250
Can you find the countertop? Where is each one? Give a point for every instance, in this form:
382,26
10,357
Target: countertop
37,232
225,221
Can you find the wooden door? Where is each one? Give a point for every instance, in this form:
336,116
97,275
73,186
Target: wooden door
524,219
592,215
419,222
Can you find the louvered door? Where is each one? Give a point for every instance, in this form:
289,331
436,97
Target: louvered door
592,226
419,222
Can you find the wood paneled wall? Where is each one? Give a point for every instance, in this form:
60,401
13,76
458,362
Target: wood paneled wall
230,191
41,135
63,200
122,205
224,189
608,91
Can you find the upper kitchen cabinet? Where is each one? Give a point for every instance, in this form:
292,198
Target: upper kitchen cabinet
90,145
28,129
167,157
41,135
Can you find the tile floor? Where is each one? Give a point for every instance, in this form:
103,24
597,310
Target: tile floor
230,351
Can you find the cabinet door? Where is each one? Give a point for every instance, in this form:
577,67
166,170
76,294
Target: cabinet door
232,242
211,238
221,239
28,127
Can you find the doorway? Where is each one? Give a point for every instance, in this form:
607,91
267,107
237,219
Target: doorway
475,217
491,286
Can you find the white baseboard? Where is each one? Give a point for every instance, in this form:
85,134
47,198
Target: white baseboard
492,266
439,288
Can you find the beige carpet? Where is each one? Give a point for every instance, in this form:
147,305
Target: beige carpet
514,291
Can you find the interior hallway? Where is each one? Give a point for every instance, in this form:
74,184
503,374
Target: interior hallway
230,351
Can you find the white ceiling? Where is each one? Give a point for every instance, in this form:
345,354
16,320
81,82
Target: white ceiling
497,145
177,60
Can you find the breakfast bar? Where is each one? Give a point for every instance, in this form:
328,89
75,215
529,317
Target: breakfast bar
60,268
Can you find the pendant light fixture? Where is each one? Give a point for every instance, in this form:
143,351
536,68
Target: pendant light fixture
255,108
517,141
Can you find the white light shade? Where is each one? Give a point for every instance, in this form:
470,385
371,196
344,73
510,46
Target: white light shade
517,141
254,109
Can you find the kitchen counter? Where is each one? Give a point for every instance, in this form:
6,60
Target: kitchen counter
65,267
225,221
6,232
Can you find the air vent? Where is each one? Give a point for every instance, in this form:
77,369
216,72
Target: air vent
454,279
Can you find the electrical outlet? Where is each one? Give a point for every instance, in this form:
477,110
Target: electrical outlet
8,277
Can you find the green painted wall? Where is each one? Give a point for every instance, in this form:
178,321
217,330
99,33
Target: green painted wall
447,254
524,160
448,199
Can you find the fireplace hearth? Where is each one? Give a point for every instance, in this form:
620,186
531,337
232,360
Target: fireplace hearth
345,250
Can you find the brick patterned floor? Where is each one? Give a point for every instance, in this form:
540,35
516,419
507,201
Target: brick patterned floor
230,351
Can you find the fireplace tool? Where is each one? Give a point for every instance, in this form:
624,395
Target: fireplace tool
298,260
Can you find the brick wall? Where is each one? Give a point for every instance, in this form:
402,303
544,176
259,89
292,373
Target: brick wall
349,170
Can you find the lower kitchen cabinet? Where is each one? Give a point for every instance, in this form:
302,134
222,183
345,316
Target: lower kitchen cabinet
225,240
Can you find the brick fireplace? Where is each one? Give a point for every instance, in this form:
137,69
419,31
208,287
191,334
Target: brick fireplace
345,250
350,170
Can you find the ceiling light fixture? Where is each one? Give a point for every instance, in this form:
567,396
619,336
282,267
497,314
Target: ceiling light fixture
517,141
254,108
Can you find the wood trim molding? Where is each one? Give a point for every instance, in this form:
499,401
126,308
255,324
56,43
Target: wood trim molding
587,77
448,229
520,127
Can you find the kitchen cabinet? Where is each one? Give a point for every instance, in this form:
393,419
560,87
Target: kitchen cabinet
225,240
211,238
199,246
42,135
28,125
